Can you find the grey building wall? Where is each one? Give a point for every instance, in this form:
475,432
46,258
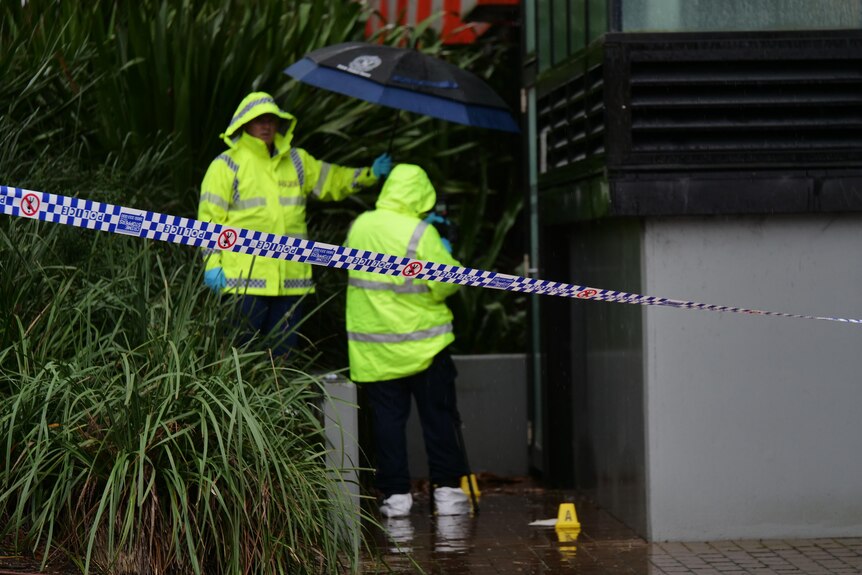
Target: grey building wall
492,402
607,357
753,423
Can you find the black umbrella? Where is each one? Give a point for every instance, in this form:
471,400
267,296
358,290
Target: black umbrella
405,79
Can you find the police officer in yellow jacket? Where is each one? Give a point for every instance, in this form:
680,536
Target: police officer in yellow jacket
398,331
262,183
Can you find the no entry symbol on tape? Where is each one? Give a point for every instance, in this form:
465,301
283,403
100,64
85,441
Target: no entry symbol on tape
30,205
227,239
412,269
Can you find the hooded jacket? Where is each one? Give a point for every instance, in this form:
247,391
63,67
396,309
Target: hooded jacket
396,325
246,187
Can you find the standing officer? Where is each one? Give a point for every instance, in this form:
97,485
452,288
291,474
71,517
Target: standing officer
262,183
398,331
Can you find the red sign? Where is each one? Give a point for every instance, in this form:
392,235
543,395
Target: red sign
227,239
586,294
412,269
30,205
448,18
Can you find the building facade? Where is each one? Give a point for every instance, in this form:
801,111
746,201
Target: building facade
705,150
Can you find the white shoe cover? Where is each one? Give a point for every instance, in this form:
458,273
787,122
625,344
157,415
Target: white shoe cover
397,505
451,501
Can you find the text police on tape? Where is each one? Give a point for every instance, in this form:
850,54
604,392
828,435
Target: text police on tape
82,213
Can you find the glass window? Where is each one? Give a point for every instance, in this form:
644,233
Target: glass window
543,8
561,10
578,24
739,15
563,26
598,15
529,26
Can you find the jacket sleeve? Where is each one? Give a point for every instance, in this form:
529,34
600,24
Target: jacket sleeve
431,249
331,182
214,201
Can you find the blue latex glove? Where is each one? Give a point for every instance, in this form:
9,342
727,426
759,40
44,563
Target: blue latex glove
215,280
432,219
447,245
382,166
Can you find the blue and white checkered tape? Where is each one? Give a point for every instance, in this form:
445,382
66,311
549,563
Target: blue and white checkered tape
155,226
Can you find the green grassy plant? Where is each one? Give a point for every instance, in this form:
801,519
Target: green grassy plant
138,440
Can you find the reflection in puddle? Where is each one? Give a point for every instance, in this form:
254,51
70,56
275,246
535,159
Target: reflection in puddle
567,539
400,532
452,533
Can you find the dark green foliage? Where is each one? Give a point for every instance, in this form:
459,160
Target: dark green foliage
136,435
136,439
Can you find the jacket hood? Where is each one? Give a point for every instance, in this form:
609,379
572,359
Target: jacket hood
407,191
254,105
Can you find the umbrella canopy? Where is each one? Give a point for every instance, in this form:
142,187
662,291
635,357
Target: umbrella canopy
405,79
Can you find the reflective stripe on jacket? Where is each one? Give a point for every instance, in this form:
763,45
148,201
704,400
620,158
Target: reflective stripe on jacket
247,188
396,325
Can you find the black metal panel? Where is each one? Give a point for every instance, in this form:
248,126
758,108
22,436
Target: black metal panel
840,194
570,109
700,123
684,195
692,192
732,99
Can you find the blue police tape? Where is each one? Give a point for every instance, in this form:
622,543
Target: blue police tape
155,226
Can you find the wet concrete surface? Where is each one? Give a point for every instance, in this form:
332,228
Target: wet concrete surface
500,540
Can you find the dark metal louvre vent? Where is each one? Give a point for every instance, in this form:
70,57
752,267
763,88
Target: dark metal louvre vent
571,120
746,106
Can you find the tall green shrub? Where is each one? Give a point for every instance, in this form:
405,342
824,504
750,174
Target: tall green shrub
136,439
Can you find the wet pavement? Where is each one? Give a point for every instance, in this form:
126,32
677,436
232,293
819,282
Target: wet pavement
500,540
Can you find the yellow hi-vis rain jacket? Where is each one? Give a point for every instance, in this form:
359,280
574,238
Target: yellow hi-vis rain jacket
245,187
396,325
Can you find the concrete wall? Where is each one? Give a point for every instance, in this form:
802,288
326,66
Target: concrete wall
607,372
341,427
492,401
754,423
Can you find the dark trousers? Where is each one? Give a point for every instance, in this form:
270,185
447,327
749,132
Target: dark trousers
274,317
389,401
